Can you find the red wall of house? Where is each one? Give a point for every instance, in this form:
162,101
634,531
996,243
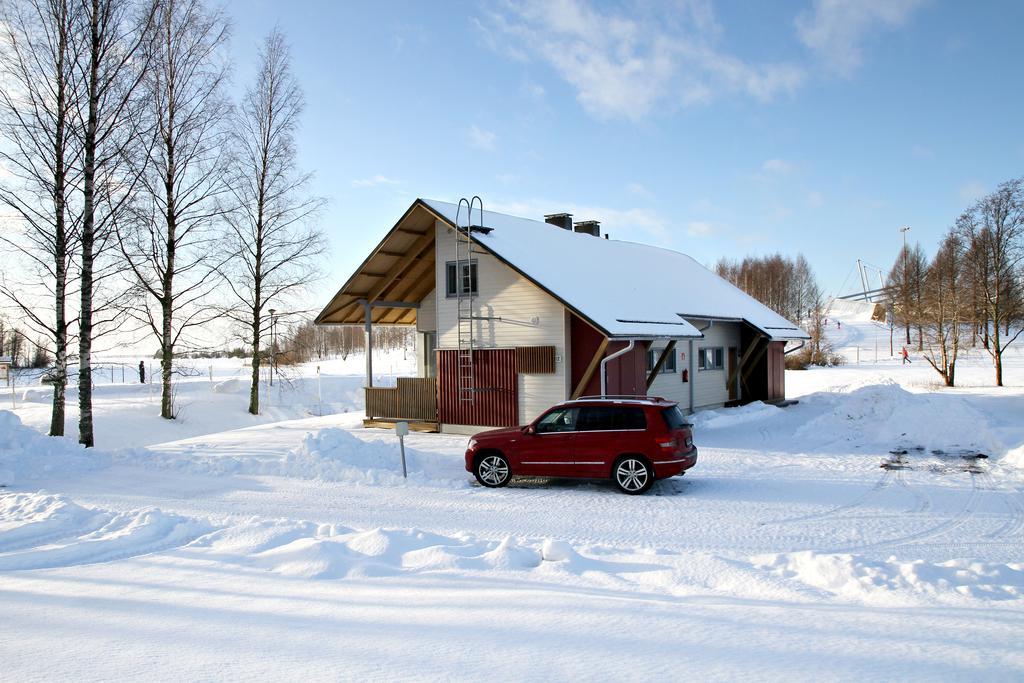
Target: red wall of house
496,400
626,374
776,371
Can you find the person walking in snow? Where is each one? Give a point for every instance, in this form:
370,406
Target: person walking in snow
839,325
906,356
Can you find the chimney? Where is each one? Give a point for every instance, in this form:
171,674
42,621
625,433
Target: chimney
589,227
561,220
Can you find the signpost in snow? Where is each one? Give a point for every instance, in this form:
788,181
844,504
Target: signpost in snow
401,429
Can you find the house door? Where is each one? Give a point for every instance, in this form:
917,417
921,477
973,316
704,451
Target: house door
731,374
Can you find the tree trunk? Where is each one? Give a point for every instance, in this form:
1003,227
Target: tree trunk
254,387
60,244
908,333
85,426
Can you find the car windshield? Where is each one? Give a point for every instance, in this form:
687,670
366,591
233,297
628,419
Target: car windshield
560,420
674,418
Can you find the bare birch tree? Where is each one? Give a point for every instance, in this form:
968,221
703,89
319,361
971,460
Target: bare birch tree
172,248
993,230
38,155
111,65
276,243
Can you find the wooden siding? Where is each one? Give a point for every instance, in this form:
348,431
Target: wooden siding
415,398
496,398
381,401
519,314
426,314
538,359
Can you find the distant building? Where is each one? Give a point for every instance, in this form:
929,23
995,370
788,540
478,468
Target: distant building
513,315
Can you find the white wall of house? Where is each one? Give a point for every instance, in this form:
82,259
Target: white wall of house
426,323
670,385
521,314
709,388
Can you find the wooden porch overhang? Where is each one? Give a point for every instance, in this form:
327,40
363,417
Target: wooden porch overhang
393,279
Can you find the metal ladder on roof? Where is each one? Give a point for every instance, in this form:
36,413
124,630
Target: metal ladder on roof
465,293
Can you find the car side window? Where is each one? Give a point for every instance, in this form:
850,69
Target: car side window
596,419
562,420
611,418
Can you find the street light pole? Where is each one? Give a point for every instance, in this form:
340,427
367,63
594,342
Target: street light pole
906,284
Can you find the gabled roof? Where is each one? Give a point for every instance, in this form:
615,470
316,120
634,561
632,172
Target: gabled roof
627,289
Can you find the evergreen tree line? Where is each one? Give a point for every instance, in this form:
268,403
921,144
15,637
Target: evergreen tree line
140,199
972,291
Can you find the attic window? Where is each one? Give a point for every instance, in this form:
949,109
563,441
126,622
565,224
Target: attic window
466,282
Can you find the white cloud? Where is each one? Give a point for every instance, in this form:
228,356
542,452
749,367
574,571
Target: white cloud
837,29
481,139
375,181
699,229
639,190
629,62
776,167
970,191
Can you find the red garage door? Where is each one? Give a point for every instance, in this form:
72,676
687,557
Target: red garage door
496,398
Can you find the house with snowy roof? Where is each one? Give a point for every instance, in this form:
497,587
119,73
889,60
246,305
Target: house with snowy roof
513,315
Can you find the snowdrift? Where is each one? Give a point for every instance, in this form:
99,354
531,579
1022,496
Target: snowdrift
25,454
856,578
43,531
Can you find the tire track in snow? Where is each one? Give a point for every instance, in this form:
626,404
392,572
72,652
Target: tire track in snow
1011,498
883,482
962,516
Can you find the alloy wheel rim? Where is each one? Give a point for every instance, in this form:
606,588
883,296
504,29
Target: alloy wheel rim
493,470
631,475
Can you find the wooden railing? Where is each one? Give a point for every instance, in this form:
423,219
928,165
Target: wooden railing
415,398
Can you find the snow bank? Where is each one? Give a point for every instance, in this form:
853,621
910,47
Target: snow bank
885,416
330,454
733,417
42,531
856,578
25,454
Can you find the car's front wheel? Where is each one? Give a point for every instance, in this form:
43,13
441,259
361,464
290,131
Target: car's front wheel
633,474
492,470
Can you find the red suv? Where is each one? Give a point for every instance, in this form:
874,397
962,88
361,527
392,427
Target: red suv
631,440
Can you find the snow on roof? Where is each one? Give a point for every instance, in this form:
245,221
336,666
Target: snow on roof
629,289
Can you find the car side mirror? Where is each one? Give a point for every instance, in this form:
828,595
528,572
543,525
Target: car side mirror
529,429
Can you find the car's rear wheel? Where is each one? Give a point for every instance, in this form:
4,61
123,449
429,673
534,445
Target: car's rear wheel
633,474
492,470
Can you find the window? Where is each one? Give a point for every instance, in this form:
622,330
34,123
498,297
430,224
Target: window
430,354
561,420
711,359
466,283
670,362
674,418
611,418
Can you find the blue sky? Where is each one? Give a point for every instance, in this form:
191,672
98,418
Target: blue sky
718,129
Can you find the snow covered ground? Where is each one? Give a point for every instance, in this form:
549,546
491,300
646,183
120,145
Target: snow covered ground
288,546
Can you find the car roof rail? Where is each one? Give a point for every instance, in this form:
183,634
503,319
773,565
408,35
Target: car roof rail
620,397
